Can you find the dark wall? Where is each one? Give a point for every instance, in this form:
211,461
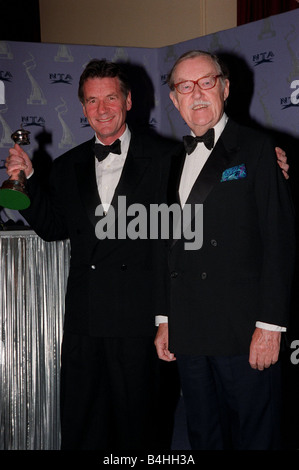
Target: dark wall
19,20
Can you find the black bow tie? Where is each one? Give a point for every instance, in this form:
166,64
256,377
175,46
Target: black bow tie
190,142
101,151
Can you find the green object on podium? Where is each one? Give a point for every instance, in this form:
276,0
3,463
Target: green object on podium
13,194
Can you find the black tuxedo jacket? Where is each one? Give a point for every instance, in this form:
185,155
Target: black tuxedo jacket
243,272
112,284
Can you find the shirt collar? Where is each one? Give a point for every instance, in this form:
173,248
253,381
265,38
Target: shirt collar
219,127
124,138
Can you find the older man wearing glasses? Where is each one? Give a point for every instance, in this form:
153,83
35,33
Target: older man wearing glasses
229,300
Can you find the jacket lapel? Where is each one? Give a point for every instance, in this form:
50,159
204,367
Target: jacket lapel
86,180
133,171
220,158
210,174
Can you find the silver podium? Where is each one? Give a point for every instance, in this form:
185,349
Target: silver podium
33,276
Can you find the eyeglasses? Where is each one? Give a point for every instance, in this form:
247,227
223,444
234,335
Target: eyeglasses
204,83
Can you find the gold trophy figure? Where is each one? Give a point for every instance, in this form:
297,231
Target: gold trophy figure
13,194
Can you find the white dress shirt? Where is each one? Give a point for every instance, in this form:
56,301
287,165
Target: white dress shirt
108,171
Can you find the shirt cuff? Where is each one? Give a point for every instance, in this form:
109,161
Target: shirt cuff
269,326
266,326
160,319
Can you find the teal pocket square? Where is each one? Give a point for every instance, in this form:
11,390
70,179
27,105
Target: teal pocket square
234,173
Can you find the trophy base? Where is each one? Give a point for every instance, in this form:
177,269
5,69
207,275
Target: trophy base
13,196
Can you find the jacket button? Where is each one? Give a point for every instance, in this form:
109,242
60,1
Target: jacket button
174,274
123,267
214,242
204,276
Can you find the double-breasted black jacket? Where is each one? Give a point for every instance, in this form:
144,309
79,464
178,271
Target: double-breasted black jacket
243,271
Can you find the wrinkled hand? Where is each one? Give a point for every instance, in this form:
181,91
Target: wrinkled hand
18,160
282,161
264,348
161,343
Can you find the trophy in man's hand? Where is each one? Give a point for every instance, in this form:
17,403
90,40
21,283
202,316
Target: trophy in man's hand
13,194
